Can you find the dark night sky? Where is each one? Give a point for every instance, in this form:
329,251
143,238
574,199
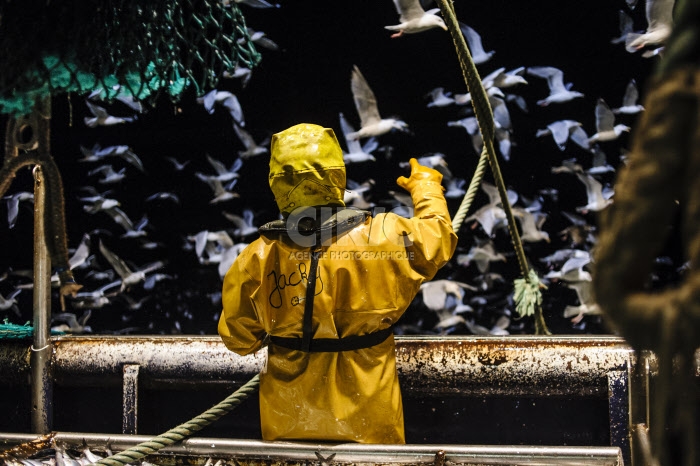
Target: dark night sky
308,80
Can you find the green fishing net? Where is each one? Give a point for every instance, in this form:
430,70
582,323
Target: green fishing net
137,48
14,331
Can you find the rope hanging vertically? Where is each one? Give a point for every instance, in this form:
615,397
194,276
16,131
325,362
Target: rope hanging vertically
465,205
484,117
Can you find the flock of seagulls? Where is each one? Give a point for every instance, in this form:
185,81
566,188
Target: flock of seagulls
138,264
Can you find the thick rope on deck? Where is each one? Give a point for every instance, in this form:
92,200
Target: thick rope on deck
183,430
484,117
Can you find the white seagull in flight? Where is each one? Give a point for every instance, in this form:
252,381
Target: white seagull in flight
606,128
558,91
366,103
476,48
659,14
629,100
413,18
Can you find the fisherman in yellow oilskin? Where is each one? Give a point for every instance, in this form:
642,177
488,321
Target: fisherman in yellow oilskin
323,288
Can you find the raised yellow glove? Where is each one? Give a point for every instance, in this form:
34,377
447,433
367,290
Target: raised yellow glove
420,175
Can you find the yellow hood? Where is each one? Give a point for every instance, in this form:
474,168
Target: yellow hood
306,168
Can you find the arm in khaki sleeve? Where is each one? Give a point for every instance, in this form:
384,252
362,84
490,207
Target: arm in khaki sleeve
429,232
240,325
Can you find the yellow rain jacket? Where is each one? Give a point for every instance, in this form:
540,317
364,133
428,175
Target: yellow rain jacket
369,270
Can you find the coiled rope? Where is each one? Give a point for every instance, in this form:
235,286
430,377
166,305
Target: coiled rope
183,430
528,287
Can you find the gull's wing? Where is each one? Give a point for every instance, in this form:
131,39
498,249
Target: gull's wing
491,77
560,132
208,100
120,217
245,137
492,192
574,263
200,241
659,13
237,220
214,183
604,117
409,9
353,145
231,103
473,39
116,262
594,188
626,26
434,295
580,137
365,101
219,167
554,77
584,291
631,94
248,217
81,253
96,110
501,115
132,158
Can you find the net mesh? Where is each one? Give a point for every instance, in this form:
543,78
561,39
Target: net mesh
117,46
17,332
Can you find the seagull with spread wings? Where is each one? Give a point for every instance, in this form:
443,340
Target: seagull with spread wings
252,148
630,106
366,103
129,277
100,117
586,302
221,193
476,48
98,154
413,18
659,14
558,91
598,197
227,100
244,224
564,130
606,128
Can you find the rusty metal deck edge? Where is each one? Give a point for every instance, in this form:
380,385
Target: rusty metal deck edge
512,365
342,453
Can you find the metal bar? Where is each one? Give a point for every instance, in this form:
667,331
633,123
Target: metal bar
312,453
640,407
130,393
428,366
619,412
41,381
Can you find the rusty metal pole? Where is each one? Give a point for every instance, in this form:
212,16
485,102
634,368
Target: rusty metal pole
42,384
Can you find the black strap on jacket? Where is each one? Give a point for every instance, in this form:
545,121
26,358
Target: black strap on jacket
307,326
335,345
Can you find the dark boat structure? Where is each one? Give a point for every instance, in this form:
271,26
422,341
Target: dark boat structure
476,400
